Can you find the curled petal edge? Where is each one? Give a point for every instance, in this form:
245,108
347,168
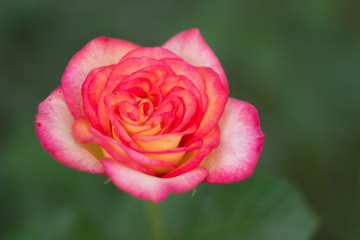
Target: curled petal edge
241,141
191,46
149,187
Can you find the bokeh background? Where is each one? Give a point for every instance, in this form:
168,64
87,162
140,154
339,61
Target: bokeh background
298,62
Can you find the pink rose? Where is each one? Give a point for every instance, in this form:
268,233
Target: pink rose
154,120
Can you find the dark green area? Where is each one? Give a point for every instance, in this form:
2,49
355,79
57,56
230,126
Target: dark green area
298,62
45,200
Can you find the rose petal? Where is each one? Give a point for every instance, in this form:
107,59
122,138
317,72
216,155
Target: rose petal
134,129
217,101
180,67
183,82
109,104
130,66
241,142
89,109
191,46
151,52
165,120
148,187
151,131
120,72
83,134
193,159
188,105
164,141
99,52
54,123
102,110
96,86
159,161
105,141
138,86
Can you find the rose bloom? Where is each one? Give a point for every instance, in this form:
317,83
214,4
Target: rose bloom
155,120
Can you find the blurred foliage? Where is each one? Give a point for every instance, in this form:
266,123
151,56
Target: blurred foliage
44,200
296,61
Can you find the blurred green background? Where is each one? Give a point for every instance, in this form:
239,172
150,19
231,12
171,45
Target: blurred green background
298,62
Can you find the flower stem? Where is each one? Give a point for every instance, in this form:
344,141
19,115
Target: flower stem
155,220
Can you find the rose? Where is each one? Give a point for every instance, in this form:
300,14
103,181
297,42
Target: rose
154,120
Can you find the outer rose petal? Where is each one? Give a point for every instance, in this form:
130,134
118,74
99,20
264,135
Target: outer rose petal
54,123
241,141
148,187
191,46
99,52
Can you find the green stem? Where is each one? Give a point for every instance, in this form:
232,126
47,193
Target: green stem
155,220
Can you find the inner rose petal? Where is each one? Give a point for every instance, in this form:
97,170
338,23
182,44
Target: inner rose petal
88,110
146,109
165,142
187,110
133,128
128,112
174,155
102,111
165,120
111,103
181,68
155,73
139,86
111,146
141,64
147,112
97,84
151,131
183,82
162,142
